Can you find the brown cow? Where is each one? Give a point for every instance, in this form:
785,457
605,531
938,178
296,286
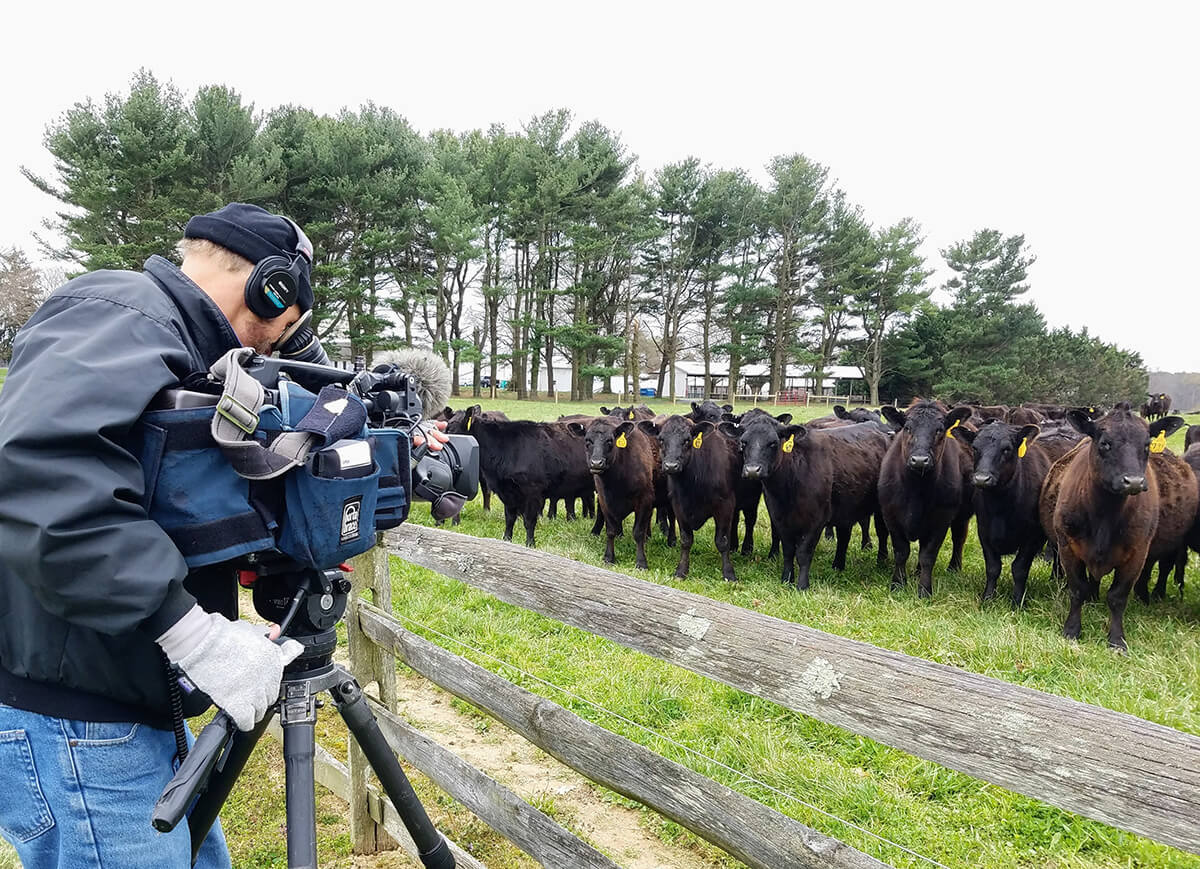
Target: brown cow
1107,511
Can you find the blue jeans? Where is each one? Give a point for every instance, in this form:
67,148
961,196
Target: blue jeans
77,794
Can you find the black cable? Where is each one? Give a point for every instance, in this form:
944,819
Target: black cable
176,698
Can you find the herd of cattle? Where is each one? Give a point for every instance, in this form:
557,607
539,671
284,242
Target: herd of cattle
1097,491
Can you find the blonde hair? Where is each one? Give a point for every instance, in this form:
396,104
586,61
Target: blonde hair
222,256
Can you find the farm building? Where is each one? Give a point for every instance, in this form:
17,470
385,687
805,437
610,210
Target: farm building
753,380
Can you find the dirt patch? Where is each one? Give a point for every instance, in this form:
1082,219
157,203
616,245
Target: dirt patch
538,778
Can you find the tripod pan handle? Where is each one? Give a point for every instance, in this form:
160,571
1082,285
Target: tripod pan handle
193,774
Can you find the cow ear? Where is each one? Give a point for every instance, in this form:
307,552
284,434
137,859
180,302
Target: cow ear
965,434
728,408
730,430
1028,433
799,432
578,429
624,428
959,414
474,410
840,412
1168,424
784,418
650,427
695,407
1081,422
894,415
605,410
729,417
447,412
702,428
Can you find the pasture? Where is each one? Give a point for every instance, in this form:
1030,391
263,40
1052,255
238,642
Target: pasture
935,812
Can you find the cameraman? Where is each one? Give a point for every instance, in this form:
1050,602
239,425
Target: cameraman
93,594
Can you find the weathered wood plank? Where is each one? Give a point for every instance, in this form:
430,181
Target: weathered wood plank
533,832
760,837
333,775
1132,774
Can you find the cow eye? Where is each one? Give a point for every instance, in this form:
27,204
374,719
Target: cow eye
1105,446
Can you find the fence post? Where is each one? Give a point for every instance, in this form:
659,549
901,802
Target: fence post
367,836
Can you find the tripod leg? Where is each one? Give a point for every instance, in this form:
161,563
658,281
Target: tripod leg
432,848
299,750
220,784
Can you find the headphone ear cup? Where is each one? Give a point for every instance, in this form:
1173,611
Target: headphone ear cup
272,287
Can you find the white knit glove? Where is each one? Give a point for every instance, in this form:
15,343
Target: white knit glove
232,662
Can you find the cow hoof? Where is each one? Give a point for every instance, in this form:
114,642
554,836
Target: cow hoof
679,575
923,592
612,561
839,565
954,566
730,578
1017,603
988,594
897,585
1071,634
641,565
1143,596
1116,649
747,553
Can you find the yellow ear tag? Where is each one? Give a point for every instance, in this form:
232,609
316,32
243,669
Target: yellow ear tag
621,442
470,419
1091,410
631,414
698,440
1159,443
789,444
1023,448
950,431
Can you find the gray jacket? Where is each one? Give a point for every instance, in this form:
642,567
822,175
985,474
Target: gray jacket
87,580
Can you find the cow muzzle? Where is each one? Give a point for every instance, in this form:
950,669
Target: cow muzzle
752,472
1132,485
672,467
984,481
920,463
597,466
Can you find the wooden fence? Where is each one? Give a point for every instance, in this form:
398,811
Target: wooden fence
1124,771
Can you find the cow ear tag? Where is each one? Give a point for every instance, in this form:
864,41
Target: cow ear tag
470,419
950,431
789,444
631,414
621,442
698,440
1159,443
1023,448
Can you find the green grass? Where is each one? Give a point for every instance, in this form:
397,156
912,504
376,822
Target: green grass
948,816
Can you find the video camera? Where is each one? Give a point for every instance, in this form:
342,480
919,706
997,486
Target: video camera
268,457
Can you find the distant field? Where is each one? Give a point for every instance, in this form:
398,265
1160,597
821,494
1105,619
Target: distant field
944,815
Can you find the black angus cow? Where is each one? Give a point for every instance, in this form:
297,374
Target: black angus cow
587,495
708,411
1177,497
1192,437
1157,406
813,479
625,465
456,423
634,412
1010,467
1106,511
525,463
1192,457
925,487
704,477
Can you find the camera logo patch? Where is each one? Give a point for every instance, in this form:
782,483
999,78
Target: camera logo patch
351,511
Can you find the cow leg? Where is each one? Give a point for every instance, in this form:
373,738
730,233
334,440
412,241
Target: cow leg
787,573
829,532
598,525
1165,565
641,531
1142,586
510,519
552,511
487,496
881,533
723,534
1118,596
930,547
865,525
750,513
958,539
615,530
1079,589
804,553
900,550
457,519
1180,567
686,537
533,510
843,544
992,567
1020,571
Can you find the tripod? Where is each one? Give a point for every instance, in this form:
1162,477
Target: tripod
308,604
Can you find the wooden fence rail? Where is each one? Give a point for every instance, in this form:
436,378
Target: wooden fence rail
758,836
1132,774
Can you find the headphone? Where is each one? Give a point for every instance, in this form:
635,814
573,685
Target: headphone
274,284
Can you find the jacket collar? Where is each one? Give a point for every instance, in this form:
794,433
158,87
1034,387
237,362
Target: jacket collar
206,325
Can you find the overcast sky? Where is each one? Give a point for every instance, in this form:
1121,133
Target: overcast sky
1075,124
